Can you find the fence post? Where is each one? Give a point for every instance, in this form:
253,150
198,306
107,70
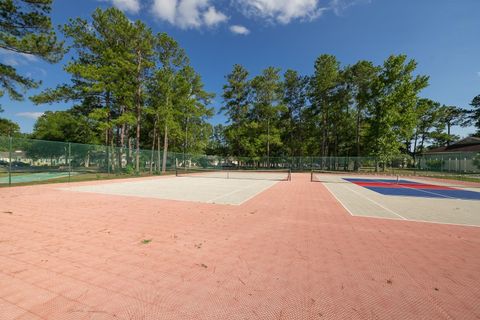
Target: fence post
69,162
9,161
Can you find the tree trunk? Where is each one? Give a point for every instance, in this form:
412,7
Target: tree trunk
121,141
119,148
415,141
139,109
153,146
357,140
112,151
165,149
157,165
185,144
130,151
268,143
448,132
137,156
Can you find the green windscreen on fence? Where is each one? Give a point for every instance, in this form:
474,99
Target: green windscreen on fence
24,161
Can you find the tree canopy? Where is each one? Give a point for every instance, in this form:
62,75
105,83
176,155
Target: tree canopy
26,28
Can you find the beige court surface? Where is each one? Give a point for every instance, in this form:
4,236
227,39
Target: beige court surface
360,201
196,189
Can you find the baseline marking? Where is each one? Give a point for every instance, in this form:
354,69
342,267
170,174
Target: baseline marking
375,202
422,190
239,190
422,221
437,194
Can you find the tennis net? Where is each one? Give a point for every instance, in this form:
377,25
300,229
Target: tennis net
273,174
341,177
459,182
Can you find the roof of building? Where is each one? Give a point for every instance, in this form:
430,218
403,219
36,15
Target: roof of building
469,144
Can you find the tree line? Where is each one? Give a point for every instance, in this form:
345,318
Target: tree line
354,110
130,88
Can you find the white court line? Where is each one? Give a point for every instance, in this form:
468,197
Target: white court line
241,189
400,184
259,191
378,204
422,221
395,219
437,194
344,206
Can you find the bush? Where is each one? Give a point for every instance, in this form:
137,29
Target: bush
476,161
129,169
434,165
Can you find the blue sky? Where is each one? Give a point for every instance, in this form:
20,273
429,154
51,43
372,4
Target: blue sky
441,35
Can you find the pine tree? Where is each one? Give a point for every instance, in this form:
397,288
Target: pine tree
26,28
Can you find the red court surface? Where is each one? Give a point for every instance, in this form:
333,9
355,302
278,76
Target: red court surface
292,252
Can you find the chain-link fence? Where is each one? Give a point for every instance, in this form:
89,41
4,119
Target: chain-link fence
27,161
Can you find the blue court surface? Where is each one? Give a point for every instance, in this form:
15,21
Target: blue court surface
406,188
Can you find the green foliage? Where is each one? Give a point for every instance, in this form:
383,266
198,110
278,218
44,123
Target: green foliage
129,169
9,128
217,144
392,111
323,96
474,114
26,29
294,119
266,110
434,165
476,161
236,98
63,126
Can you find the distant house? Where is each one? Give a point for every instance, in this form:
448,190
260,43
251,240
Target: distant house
461,156
470,144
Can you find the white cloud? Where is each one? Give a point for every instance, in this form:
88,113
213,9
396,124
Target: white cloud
14,59
30,115
286,11
282,11
478,73
42,71
237,29
338,6
28,57
165,9
188,14
11,61
212,17
131,6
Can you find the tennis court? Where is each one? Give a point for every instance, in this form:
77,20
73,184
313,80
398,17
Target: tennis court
413,198
34,177
285,250
197,185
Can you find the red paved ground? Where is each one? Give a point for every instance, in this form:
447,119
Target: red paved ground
290,253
